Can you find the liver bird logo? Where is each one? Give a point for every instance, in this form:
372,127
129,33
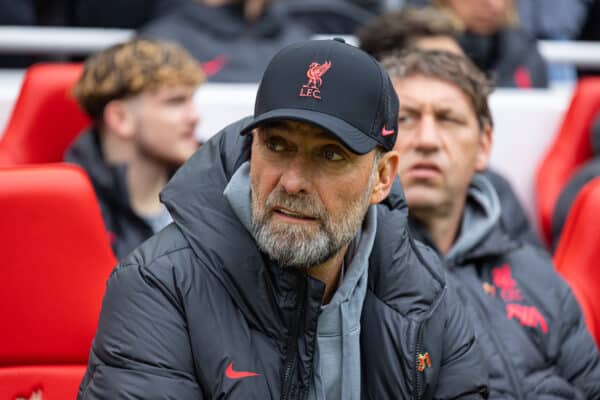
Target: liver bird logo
315,72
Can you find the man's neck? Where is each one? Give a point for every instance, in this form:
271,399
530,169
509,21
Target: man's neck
442,227
329,273
145,180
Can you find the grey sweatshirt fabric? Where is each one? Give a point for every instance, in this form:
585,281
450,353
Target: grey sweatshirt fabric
480,216
337,364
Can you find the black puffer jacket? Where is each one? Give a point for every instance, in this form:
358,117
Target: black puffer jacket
231,49
125,228
527,321
510,57
198,303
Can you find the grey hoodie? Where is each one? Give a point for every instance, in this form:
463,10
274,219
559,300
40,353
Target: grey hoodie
479,217
337,365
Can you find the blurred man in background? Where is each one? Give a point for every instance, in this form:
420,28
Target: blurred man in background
492,38
411,27
429,28
235,39
139,96
528,323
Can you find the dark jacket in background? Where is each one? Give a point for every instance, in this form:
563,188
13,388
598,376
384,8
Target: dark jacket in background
553,19
17,13
233,50
130,14
198,302
230,49
510,57
125,228
528,323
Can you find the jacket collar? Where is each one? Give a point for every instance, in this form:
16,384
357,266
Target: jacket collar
109,181
481,234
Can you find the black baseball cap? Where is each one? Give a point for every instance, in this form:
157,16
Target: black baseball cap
333,85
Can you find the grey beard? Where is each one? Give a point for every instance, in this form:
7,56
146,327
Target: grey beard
293,247
303,247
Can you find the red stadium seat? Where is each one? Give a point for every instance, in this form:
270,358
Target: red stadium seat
578,252
45,118
56,259
571,148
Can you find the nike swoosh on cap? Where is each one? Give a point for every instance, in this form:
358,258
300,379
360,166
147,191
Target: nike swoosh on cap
386,132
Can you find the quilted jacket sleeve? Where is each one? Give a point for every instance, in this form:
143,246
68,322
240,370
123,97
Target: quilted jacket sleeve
141,348
578,359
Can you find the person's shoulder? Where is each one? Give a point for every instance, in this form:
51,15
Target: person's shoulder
405,274
167,249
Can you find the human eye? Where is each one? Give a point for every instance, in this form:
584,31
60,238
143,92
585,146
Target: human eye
275,144
405,118
451,119
176,100
332,153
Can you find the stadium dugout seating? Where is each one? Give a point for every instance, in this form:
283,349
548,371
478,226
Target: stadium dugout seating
578,252
570,149
56,259
45,118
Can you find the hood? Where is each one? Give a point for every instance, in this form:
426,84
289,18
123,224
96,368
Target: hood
480,234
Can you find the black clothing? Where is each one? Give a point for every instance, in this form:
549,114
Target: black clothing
512,218
126,229
233,50
528,323
510,57
198,303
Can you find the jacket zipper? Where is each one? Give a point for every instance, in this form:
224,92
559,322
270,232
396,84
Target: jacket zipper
508,367
292,350
418,375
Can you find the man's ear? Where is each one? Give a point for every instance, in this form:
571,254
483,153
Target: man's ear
387,170
119,119
485,148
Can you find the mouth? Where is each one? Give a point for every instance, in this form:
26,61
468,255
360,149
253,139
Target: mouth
293,215
424,170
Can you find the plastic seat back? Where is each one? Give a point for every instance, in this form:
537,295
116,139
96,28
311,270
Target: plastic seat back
45,118
570,149
56,259
578,253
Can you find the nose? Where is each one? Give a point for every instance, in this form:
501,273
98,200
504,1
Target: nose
427,138
193,115
295,179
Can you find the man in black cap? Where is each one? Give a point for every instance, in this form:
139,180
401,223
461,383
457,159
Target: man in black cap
288,272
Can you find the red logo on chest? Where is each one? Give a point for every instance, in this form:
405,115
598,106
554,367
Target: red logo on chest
314,74
502,278
527,316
